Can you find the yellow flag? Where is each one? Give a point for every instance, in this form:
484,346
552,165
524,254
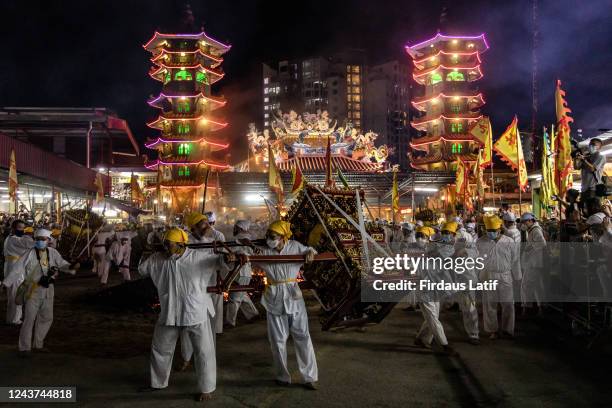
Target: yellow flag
548,187
13,184
137,195
563,146
395,194
99,187
460,178
481,131
274,178
508,146
478,174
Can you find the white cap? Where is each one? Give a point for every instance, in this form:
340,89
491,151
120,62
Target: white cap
510,217
243,224
458,220
596,218
41,232
419,223
470,225
211,216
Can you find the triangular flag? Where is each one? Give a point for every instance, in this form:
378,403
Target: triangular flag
275,182
508,146
297,179
13,184
563,147
481,131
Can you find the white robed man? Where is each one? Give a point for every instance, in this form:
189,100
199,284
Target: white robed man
39,266
101,263
119,253
285,307
241,300
501,263
15,245
200,232
510,229
429,300
181,276
532,261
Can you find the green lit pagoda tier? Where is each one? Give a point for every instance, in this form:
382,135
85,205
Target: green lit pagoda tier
446,67
187,65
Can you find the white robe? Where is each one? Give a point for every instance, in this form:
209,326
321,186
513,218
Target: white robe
502,263
186,308
120,255
101,262
14,248
38,314
286,315
532,262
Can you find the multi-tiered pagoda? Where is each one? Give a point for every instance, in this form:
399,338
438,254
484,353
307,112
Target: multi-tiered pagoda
447,67
187,64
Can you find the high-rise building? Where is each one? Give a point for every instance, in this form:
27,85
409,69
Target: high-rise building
187,64
335,84
387,107
446,67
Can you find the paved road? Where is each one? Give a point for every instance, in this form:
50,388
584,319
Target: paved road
106,356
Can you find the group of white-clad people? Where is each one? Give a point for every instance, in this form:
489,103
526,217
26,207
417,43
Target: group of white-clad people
188,311
506,260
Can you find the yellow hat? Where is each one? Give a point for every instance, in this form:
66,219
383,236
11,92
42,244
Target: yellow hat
176,235
56,232
282,228
450,226
492,222
28,230
194,218
425,230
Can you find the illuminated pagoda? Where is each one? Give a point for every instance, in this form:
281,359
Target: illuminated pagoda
301,140
447,67
187,64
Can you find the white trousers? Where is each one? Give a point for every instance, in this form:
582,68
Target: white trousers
101,263
532,286
13,312
239,301
38,317
296,324
162,351
504,295
125,272
431,327
467,304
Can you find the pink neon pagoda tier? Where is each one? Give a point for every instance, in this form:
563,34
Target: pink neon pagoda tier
447,67
187,65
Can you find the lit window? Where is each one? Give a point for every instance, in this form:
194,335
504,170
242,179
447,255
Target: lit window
435,78
265,90
184,149
278,89
182,75
267,115
456,127
455,76
183,128
183,106
183,171
266,80
455,108
201,77
266,123
456,148
266,99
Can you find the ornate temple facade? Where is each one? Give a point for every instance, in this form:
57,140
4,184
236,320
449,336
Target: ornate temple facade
187,64
301,140
447,67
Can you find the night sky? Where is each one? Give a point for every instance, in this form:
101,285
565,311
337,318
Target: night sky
89,53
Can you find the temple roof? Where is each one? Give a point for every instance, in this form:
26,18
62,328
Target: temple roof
416,143
420,49
214,144
423,120
212,124
217,60
158,38
181,162
472,98
313,163
157,101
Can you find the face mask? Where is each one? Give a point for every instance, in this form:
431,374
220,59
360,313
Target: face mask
524,227
272,243
592,149
446,238
19,233
492,234
40,244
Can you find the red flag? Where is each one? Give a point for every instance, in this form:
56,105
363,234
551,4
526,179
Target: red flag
298,179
